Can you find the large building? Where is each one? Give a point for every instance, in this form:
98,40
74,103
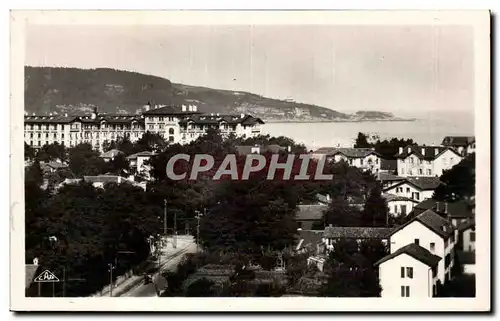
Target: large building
426,160
177,124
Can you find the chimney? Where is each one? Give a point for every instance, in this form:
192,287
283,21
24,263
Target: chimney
437,207
400,150
190,107
423,151
211,114
65,114
436,151
35,261
242,115
409,149
330,225
147,107
289,149
328,198
183,107
195,108
445,207
218,115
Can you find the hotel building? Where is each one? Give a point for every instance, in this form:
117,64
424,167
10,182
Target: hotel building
177,124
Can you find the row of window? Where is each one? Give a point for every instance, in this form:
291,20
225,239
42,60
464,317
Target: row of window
76,126
161,118
420,171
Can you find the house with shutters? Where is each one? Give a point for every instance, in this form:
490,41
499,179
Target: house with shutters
432,232
387,179
364,158
421,257
467,236
415,188
426,161
464,145
408,272
457,212
399,205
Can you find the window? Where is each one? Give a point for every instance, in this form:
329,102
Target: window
350,161
420,162
171,139
429,172
407,190
402,272
405,291
62,135
403,209
417,241
31,135
433,246
472,236
420,171
160,118
402,171
376,161
417,196
409,272
170,131
411,160
451,159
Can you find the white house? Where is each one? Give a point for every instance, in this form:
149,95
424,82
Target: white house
416,188
409,272
364,158
432,232
138,161
464,145
426,160
399,205
100,181
388,179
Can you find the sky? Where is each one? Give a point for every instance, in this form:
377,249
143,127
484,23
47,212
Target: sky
399,69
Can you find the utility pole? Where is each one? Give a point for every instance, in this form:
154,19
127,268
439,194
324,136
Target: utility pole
175,230
111,268
64,282
198,217
165,217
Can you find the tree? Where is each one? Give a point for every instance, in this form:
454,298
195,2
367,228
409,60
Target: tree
458,182
29,152
119,165
33,173
376,212
83,160
49,152
362,141
341,213
152,142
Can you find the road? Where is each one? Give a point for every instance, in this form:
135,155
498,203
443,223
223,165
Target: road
148,290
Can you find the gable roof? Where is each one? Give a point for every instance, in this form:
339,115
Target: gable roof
417,252
432,221
310,212
457,209
456,141
111,153
141,154
347,152
467,225
430,152
357,232
423,183
169,110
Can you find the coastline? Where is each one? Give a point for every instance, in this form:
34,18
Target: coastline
338,120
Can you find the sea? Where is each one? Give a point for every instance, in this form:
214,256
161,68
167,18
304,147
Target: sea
429,131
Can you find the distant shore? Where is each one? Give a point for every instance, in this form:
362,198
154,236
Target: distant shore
338,120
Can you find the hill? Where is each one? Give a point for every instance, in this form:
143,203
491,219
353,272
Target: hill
72,90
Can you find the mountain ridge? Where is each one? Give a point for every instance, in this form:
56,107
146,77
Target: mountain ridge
74,91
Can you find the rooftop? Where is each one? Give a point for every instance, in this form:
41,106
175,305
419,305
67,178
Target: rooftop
424,152
141,154
394,198
348,152
111,153
456,141
467,225
102,179
357,232
415,251
423,183
457,209
30,274
247,149
245,120
309,239
433,221
169,110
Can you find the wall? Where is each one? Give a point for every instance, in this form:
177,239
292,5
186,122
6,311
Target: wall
421,285
417,230
468,245
445,161
395,207
414,166
408,190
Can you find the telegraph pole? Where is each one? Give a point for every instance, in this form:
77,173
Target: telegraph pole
111,268
175,230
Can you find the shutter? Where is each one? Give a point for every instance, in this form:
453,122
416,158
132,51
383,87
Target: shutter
402,272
